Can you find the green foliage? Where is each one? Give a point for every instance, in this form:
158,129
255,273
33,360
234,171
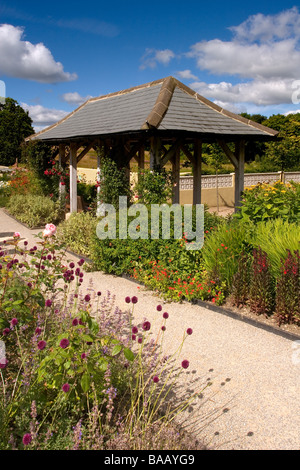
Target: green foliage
113,183
261,288
38,157
264,201
34,210
5,191
288,290
283,154
15,125
222,249
77,232
276,237
154,186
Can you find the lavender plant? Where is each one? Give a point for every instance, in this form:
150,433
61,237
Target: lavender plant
78,372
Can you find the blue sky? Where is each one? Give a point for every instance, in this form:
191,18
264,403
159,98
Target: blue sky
245,56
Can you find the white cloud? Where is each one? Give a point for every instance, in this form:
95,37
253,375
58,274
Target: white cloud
258,92
22,59
280,59
187,74
75,98
264,52
43,117
153,56
269,27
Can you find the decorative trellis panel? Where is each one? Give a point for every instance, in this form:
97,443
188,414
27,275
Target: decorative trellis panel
250,179
207,181
289,176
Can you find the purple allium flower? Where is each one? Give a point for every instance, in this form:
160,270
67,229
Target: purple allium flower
29,284
6,331
134,299
49,257
98,293
189,331
133,337
87,298
165,315
146,326
185,364
25,243
41,345
155,379
140,340
135,330
72,265
65,388
159,308
27,439
163,328
64,343
127,300
83,356
14,322
74,322
38,330
48,303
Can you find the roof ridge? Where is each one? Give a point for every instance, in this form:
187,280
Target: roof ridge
223,111
162,103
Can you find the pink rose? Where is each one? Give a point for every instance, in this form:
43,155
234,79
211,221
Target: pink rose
50,230
16,235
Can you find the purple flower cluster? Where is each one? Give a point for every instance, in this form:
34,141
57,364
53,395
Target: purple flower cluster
64,343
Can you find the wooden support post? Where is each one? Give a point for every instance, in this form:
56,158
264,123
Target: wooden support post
197,172
141,159
61,162
98,179
239,173
155,148
176,176
73,177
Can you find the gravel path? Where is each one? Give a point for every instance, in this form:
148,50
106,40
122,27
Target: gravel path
253,402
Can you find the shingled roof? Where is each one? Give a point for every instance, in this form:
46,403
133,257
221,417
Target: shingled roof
165,105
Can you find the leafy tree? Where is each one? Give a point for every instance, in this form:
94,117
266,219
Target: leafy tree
254,149
283,155
15,125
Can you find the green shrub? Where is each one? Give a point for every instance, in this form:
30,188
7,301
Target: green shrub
77,232
264,201
276,237
222,250
34,210
154,186
113,183
287,308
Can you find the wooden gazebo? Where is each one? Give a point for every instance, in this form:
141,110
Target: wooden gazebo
165,116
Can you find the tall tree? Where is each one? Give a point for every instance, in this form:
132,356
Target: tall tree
283,155
15,125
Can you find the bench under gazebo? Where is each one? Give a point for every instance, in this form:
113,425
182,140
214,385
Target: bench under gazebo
164,116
